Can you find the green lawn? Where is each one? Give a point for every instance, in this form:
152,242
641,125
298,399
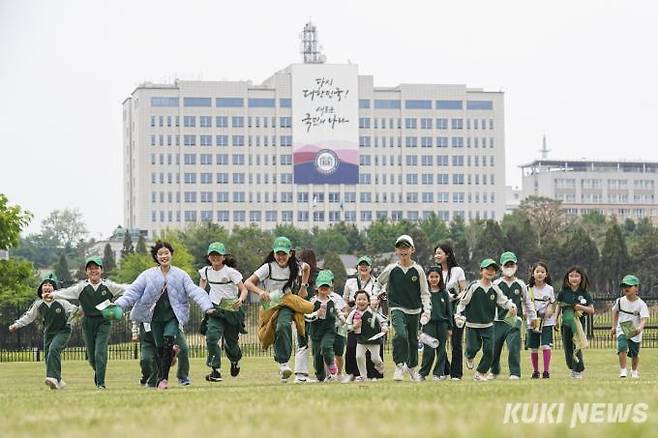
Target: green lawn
257,404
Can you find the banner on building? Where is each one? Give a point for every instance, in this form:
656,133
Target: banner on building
325,125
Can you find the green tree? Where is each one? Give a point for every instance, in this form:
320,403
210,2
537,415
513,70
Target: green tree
196,239
519,237
644,259
249,245
109,263
423,249
18,283
330,240
141,245
459,242
435,229
37,248
580,249
355,237
487,241
382,233
615,260
546,215
66,227
12,220
131,266
333,262
62,271
128,247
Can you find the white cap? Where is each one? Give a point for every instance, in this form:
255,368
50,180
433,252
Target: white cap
405,238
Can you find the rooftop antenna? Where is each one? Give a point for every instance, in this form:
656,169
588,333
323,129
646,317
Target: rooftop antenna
544,149
310,45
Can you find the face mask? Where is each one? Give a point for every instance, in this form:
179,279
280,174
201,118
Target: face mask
509,272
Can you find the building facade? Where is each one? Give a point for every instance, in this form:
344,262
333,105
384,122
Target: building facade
626,190
313,145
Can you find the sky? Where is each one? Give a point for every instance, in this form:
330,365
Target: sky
580,72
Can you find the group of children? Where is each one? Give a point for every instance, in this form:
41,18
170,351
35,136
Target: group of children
345,331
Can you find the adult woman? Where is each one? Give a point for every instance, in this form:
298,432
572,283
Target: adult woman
301,355
455,281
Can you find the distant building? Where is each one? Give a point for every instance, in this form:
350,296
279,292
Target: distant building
512,198
624,189
116,242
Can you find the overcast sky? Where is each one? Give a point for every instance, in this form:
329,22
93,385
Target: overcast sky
583,72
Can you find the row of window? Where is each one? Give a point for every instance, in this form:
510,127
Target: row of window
220,140
613,184
286,178
424,123
220,122
221,159
597,198
220,102
427,160
256,216
426,142
426,104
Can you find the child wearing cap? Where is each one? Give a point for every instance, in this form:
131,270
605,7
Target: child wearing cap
478,306
56,317
362,281
95,329
279,272
574,300
303,344
515,289
366,323
160,297
323,319
629,316
227,293
540,330
409,302
439,326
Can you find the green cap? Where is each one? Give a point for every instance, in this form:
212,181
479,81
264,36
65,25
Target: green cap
217,247
95,260
325,277
488,262
282,244
113,313
507,256
364,259
629,280
48,278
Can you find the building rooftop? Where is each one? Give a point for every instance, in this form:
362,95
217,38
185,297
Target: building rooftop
583,165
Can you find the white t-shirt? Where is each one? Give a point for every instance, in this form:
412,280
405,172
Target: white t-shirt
274,280
352,285
223,283
456,275
543,298
638,309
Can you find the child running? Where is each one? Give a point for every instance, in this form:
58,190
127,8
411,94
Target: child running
574,300
95,329
56,317
439,326
629,316
504,333
410,304
478,306
366,324
227,322
540,330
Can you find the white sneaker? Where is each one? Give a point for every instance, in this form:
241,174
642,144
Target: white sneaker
61,384
577,375
359,379
492,376
415,377
398,374
285,371
51,382
455,379
623,372
479,377
470,363
513,377
380,367
348,378
331,378
635,374
438,378
300,378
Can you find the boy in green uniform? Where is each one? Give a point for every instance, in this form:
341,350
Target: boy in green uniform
409,303
478,305
516,290
439,326
323,327
95,329
629,316
56,316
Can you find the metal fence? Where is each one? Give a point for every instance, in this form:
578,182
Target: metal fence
27,343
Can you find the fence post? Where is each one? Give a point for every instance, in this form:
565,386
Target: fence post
135,350
36,354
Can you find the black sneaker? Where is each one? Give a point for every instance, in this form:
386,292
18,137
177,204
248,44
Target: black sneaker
545,375
143,380
215,376
235,369
535,374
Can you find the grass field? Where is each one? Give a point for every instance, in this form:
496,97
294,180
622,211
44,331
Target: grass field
256,404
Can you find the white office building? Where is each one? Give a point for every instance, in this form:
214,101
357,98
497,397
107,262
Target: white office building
314,144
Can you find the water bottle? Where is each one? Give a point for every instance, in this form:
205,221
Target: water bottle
322,313
357,317
428,340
